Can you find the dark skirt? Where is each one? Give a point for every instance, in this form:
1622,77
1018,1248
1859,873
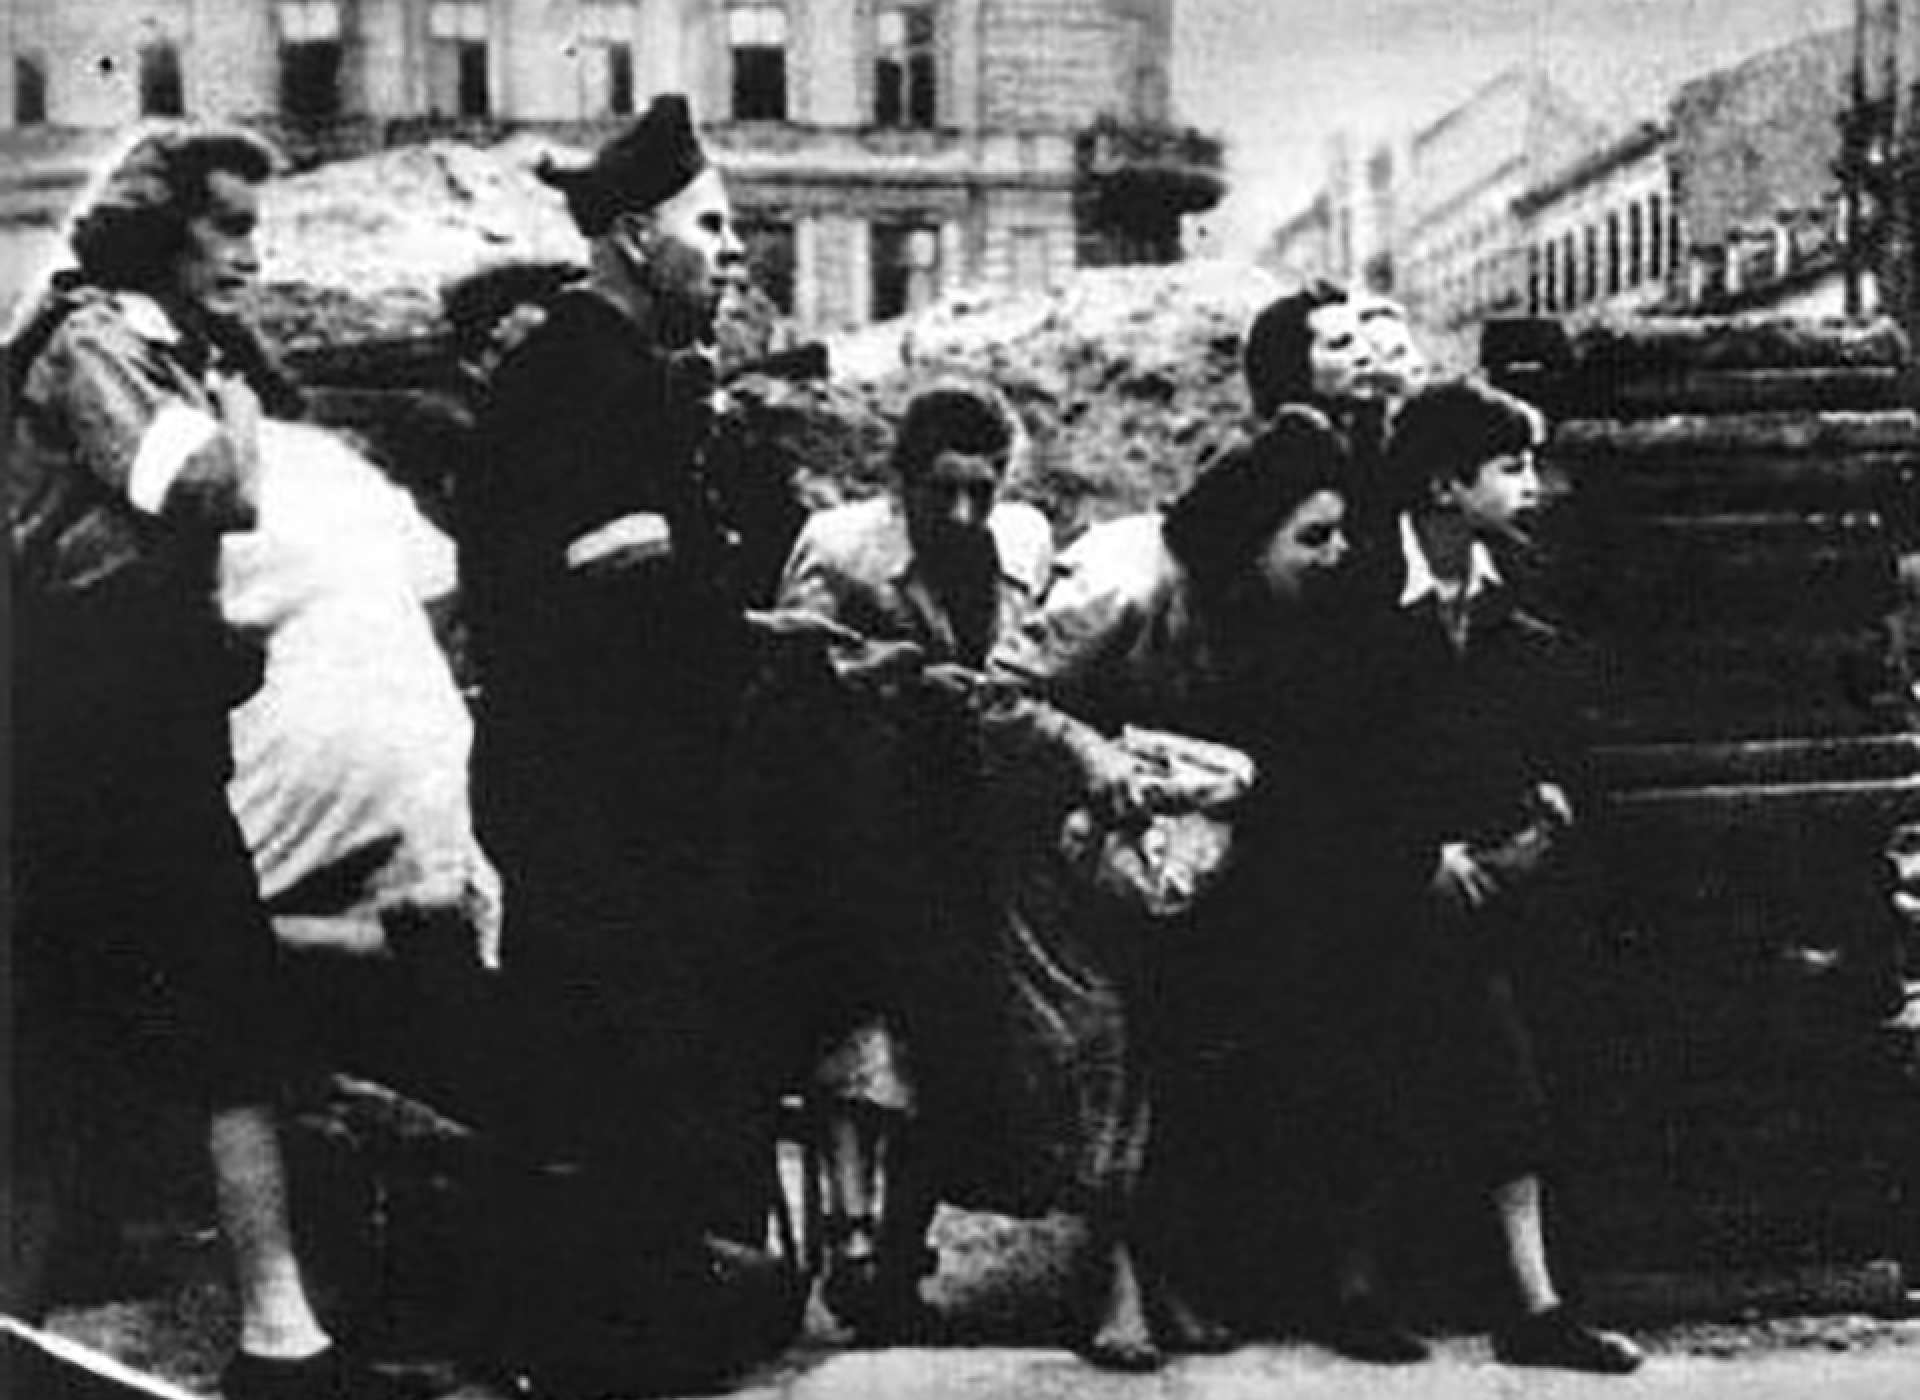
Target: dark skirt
138,930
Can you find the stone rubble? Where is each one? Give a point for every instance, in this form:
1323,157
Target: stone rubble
1127,378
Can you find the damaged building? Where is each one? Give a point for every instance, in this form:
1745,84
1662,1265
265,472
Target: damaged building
880,151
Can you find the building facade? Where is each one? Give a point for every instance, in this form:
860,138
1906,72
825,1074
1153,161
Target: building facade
879,150
1757,183
1601,237
1784,183
1302,248
1463,250
1347,234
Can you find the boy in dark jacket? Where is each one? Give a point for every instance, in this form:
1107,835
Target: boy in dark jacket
1465,782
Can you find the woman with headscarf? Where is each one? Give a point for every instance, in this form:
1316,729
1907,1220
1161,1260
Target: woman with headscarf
140,393
1182,622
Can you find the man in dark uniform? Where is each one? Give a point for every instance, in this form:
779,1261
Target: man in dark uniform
611,656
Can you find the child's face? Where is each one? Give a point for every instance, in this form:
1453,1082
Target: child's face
1498,498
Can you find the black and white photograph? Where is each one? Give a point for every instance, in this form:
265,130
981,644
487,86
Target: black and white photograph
954,699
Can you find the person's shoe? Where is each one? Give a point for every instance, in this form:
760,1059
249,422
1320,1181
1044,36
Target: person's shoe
1181,1327
1362,1329
326,1375
1128,1353
1556,1338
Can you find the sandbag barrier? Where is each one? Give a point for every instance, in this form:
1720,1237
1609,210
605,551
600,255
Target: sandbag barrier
1736,537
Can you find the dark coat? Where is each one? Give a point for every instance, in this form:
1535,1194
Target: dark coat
611,676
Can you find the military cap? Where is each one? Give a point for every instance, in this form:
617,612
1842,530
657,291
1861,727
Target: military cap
643,167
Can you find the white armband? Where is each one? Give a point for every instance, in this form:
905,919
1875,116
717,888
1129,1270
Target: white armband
177,432
635,538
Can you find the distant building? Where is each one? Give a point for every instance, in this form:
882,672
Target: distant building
879,150
1462,253
1302,248
1601,237
1756,157
1884,154
1346,235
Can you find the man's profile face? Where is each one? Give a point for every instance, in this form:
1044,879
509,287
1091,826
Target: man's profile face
693,252
219,261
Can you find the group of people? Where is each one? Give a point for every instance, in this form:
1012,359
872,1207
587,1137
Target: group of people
852,841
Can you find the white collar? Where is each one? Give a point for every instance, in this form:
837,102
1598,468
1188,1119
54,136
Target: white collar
1421,579
147,318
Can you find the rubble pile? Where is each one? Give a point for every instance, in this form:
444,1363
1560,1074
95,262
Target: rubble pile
361,249
1128,379
362,253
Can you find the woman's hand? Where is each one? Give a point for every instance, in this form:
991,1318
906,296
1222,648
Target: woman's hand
1459,881
240,413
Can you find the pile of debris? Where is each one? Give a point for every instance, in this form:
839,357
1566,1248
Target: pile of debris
1128,379
360,250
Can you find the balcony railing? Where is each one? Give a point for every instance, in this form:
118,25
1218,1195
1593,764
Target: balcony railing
1135,182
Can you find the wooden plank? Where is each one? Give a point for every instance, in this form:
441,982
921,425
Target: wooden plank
1663,717
1721,805
1662,1296
1736,481
1721,694
1725,528
1790,434
1765,762
1689,390
1629,589
1739,342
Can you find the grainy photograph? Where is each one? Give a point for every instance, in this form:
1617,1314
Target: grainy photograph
960,698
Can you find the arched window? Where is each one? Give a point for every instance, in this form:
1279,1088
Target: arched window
162,88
